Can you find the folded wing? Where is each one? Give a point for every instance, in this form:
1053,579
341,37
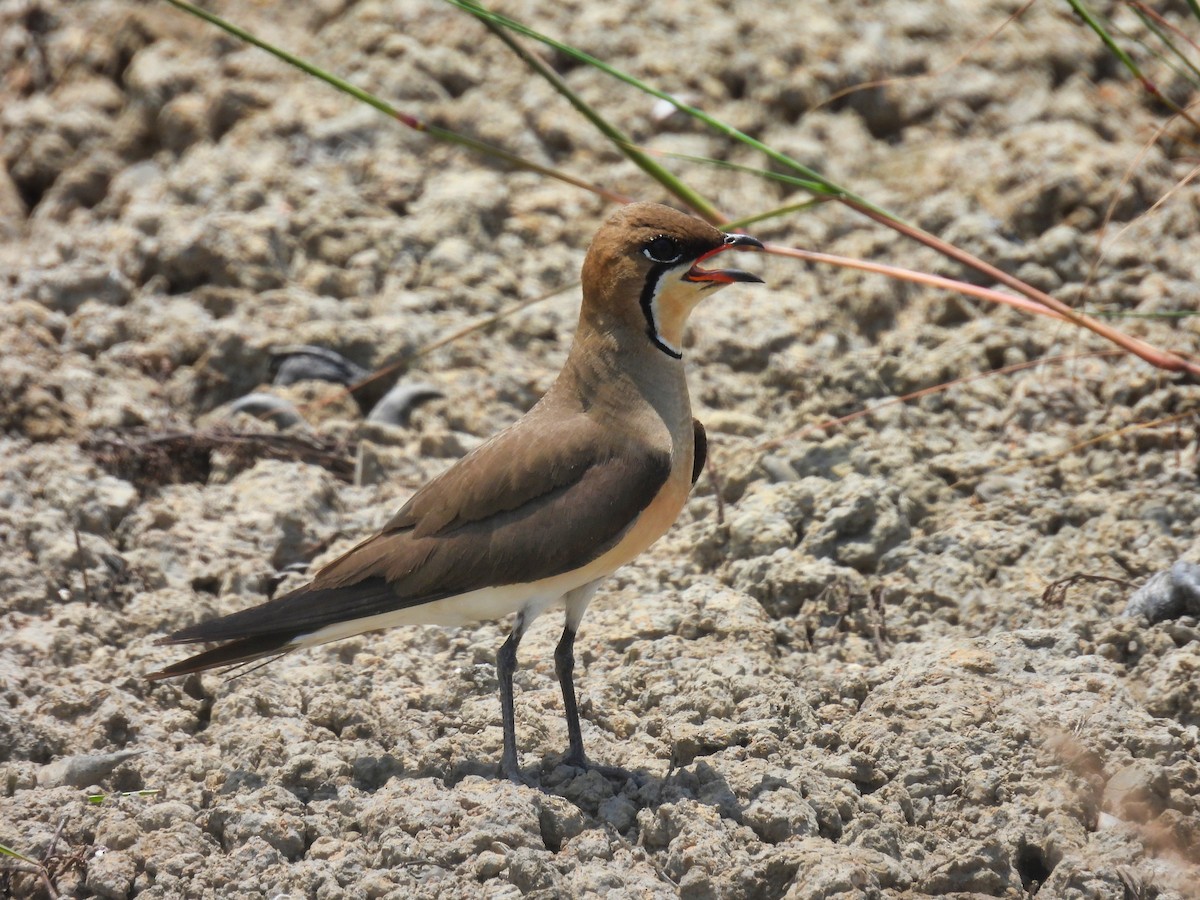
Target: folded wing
514,511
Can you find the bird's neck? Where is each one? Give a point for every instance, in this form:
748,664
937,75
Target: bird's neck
614,366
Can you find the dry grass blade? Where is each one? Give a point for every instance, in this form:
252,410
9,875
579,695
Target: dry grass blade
1100,438
1162,359
457,334
929,391
901,274
1093,21
935,73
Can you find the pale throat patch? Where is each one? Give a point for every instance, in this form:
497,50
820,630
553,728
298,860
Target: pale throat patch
673,303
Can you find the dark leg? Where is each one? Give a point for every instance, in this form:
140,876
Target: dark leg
506,665
564,668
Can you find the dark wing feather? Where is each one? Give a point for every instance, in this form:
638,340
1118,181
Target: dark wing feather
515,510
538,455
232,654
700,454
277,619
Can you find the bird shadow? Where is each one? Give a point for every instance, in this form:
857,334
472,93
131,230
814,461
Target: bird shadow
591,788
608,797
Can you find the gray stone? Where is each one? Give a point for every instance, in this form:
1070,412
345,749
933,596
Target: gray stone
1167,595
83,771
110,874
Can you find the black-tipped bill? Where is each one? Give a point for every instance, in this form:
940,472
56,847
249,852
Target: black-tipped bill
726,276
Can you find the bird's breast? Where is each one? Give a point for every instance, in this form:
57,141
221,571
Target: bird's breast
651,524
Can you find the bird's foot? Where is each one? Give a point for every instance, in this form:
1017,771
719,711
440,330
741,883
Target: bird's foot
510,770
580,761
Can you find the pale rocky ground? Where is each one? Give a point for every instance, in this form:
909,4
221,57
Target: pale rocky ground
848,686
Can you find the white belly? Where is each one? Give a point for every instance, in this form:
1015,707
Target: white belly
474,606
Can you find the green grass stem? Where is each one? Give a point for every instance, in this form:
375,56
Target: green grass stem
443,134
647,164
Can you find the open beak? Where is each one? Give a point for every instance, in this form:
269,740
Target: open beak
725,276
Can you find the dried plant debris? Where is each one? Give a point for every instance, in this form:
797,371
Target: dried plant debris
1055,593
150,459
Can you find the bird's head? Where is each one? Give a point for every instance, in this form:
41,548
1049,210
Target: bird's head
644,268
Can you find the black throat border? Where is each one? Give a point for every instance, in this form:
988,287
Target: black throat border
647,304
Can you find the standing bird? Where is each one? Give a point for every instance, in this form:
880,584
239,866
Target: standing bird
542,512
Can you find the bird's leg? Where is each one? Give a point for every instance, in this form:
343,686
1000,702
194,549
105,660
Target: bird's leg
506,665
564,668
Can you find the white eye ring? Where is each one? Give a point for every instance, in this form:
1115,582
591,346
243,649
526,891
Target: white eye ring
657,253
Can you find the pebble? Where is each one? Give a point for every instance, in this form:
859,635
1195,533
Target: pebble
1167,595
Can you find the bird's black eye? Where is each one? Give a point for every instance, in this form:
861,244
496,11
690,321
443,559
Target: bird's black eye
663,249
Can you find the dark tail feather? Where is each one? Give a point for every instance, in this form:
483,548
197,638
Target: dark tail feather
240,651
268,629
301,611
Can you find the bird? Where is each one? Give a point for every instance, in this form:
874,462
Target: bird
542,512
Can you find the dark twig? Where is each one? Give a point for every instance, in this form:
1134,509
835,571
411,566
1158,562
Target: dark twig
1056,592
62,820
87,589
879,624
